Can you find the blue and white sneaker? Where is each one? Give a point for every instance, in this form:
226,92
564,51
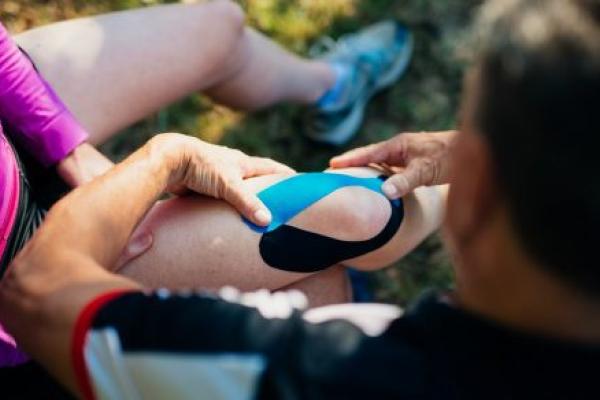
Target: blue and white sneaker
365,63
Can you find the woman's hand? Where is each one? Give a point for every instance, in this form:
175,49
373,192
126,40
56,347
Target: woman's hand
219,172
82,165
421,158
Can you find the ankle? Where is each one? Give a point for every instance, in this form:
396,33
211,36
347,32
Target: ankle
324,77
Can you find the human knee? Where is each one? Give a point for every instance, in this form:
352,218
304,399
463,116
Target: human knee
326,219
228,15
220,24
352,214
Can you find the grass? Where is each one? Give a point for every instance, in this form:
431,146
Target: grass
426,98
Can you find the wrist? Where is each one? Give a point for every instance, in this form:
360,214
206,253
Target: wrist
167,152
82,165
71,168
70,158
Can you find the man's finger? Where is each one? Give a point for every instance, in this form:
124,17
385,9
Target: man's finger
374,153
416,174
257,166
247,204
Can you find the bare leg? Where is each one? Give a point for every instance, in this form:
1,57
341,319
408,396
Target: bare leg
201,242
115,69
331,286
283,77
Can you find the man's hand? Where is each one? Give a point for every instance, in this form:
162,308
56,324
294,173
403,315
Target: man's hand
82,165
420,158
219,172
64,266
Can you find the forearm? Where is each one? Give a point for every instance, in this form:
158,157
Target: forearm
60,270
63,268
113,205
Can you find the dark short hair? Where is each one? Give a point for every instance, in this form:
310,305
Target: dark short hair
538,69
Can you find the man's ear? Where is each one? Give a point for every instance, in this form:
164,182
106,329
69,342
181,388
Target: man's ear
473,197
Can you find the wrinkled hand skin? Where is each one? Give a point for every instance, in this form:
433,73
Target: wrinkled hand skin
207,169
219,172
421,159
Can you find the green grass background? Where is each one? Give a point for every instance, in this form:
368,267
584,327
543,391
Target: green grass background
426,98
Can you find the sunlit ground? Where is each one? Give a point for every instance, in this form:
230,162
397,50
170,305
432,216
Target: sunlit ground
426,98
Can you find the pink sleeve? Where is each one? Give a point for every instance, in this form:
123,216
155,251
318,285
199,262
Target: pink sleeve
45,126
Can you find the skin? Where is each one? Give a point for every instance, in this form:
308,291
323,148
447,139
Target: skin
189,229
230,67
209,50
235,65
192,228
418,159
238,67
489,259
64,266
136,62
61,269
479,234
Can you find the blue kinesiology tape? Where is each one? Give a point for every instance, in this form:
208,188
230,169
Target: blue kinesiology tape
290,197
292,249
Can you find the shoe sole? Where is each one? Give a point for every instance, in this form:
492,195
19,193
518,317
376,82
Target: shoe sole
344,132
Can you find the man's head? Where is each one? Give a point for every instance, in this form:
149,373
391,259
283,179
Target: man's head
526,165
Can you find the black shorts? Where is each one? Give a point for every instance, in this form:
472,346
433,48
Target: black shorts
30,382
40,188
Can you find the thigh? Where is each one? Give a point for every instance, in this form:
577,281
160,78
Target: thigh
331,286
115,69
203,243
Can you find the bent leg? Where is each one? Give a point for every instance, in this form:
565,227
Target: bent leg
331,286
115,69
201,242
267,74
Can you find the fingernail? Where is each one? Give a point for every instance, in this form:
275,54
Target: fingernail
262,217
389,190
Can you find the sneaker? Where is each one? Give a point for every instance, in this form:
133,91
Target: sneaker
373,59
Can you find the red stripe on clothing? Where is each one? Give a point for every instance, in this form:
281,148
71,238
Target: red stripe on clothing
82,326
